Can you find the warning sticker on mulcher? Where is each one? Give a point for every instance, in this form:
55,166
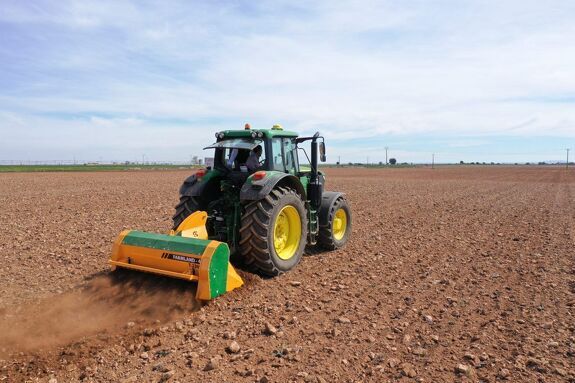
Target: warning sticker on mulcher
181,258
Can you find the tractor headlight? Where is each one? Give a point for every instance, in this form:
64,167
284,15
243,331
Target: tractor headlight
260,134
220,135
254,134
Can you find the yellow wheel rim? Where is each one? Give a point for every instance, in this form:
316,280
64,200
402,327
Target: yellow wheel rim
339,224
287,232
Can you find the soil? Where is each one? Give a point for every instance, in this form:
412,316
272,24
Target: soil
453,274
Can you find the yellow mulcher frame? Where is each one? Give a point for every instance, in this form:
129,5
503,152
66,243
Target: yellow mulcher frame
185,253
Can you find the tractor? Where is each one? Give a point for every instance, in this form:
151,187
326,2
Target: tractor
257,199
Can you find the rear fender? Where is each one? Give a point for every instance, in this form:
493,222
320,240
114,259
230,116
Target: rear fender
254,190
194,186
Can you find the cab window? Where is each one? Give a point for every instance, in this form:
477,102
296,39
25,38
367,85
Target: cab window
277,158
235,158
290,156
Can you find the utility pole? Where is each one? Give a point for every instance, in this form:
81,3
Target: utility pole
567,162
432,160
386,148
367,162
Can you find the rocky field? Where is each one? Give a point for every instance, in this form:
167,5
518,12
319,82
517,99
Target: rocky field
453,274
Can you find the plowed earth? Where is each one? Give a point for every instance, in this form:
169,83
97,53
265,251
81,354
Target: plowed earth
452,274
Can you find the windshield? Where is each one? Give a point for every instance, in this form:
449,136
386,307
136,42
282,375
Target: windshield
236,143
239,154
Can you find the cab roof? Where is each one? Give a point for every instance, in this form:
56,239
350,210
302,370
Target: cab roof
268,133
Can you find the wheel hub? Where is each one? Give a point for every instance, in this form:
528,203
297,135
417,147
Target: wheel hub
339,224
287,232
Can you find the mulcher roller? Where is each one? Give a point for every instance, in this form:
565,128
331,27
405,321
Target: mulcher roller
180,254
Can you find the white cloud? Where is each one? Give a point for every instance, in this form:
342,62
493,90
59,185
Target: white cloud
350,69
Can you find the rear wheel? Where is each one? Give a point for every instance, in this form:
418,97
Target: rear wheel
273,232
337,231
184,208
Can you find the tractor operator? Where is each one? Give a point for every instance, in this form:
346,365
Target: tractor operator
253,162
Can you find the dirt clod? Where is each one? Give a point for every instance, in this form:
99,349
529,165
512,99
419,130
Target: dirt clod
212,364
407,369
270,329
233,348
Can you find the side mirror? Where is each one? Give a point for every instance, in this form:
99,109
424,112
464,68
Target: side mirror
322,152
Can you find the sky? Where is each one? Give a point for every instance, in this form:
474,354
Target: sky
125,80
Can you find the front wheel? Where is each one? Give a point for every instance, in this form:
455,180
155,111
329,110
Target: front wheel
273,232
335,232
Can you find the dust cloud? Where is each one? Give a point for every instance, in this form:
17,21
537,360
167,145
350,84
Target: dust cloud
105,304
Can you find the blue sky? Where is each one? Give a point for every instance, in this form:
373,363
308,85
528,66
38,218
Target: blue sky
468,80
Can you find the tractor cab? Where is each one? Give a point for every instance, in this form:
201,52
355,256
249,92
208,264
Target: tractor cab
250,150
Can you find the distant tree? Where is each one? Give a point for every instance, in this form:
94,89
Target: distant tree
380,163
461,162
392,161
542,163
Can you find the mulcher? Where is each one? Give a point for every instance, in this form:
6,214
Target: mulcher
256,204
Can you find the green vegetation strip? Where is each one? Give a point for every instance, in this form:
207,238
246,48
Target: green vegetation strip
87,168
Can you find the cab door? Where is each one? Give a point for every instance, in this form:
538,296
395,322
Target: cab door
290,156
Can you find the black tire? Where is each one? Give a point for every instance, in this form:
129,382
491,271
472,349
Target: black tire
326,238
257,232
184,208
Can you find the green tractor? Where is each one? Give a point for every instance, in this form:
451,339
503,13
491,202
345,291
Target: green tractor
262,203
256,204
